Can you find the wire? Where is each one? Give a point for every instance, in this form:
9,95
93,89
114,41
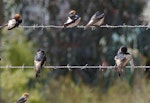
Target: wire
35,26
71,67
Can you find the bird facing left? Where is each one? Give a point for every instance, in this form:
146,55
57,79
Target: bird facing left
73,19
13,23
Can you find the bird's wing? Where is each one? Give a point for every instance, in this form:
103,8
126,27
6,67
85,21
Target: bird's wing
18,22
69,20
43,60
21,100
99,16
92,21
11,23
74,20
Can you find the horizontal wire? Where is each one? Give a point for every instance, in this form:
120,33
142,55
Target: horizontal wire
71,67
102,26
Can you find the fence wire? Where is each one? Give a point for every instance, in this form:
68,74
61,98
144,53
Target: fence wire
69,67
35,26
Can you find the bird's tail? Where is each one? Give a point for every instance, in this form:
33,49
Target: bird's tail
120,72
37,74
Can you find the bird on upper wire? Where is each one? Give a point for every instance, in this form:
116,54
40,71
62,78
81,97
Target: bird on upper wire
23,98
13,23
73,19
121,60
39,61
96,20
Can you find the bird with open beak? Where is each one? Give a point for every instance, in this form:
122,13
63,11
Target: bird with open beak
122,58
96,20
23,98
39,61
73,20
14,22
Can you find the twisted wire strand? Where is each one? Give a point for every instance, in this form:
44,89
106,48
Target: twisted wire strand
35,26
71,67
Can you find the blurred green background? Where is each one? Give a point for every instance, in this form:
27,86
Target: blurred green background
75,47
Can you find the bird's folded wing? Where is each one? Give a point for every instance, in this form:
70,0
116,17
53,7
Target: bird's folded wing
21,100
69,20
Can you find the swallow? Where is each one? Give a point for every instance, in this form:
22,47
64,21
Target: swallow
73,19
96,20
39,61
14,22
122,58
23,98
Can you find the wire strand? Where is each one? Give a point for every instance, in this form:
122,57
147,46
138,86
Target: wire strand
71,67
35,26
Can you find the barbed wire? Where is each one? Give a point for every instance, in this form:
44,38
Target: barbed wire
69,67
102,26
35,26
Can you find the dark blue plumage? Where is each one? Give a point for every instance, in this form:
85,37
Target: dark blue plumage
39,60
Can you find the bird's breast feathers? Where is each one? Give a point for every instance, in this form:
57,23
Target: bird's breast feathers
37,63
11,23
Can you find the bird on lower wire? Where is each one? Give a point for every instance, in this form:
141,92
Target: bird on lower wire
23,98
39,61
96,20
73,19
122,58
13,23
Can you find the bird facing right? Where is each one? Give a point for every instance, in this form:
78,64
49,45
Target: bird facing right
39,61
23,98
122,58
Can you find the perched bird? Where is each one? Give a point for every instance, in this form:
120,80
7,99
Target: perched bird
122,58
14,22
23,98
73,20
39,61
96,20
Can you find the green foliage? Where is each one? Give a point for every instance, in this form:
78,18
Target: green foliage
16,49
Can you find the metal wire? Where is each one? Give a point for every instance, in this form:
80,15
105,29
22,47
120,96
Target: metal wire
70,67
35,26
103,26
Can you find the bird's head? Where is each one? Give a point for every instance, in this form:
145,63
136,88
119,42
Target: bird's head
17,16
26,94
123,49
72,12
40,51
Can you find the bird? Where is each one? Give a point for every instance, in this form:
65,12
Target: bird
121,60
73,20
14,22
23,98
39,61
96,20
